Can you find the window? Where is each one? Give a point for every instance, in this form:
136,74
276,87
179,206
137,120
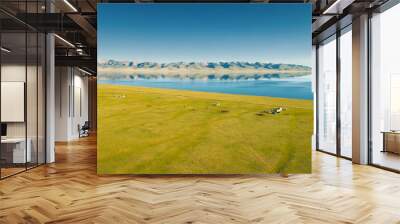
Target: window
327,96
346,92
385,89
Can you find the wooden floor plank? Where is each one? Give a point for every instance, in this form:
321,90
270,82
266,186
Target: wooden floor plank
70,191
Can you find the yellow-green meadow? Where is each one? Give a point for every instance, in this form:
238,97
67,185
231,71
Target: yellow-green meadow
163,131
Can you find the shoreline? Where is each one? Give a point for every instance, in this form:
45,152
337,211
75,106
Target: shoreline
196,93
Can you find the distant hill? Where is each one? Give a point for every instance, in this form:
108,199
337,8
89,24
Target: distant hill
113,69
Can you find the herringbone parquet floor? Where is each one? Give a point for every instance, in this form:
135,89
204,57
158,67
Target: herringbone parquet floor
69,191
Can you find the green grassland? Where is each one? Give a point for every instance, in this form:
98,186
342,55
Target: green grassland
159,131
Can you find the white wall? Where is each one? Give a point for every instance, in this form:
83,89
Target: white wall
80,110
13,72
33,126
71,102
16,73
62,81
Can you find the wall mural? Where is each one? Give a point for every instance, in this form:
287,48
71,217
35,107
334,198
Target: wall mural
204,88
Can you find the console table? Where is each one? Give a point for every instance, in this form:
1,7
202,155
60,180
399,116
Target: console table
13,150
391,141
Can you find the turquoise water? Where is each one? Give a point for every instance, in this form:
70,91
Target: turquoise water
294,88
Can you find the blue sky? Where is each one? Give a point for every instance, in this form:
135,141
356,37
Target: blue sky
277,33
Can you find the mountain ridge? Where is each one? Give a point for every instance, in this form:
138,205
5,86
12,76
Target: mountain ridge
114,69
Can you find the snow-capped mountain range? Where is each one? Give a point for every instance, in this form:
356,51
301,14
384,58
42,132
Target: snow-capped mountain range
113,69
